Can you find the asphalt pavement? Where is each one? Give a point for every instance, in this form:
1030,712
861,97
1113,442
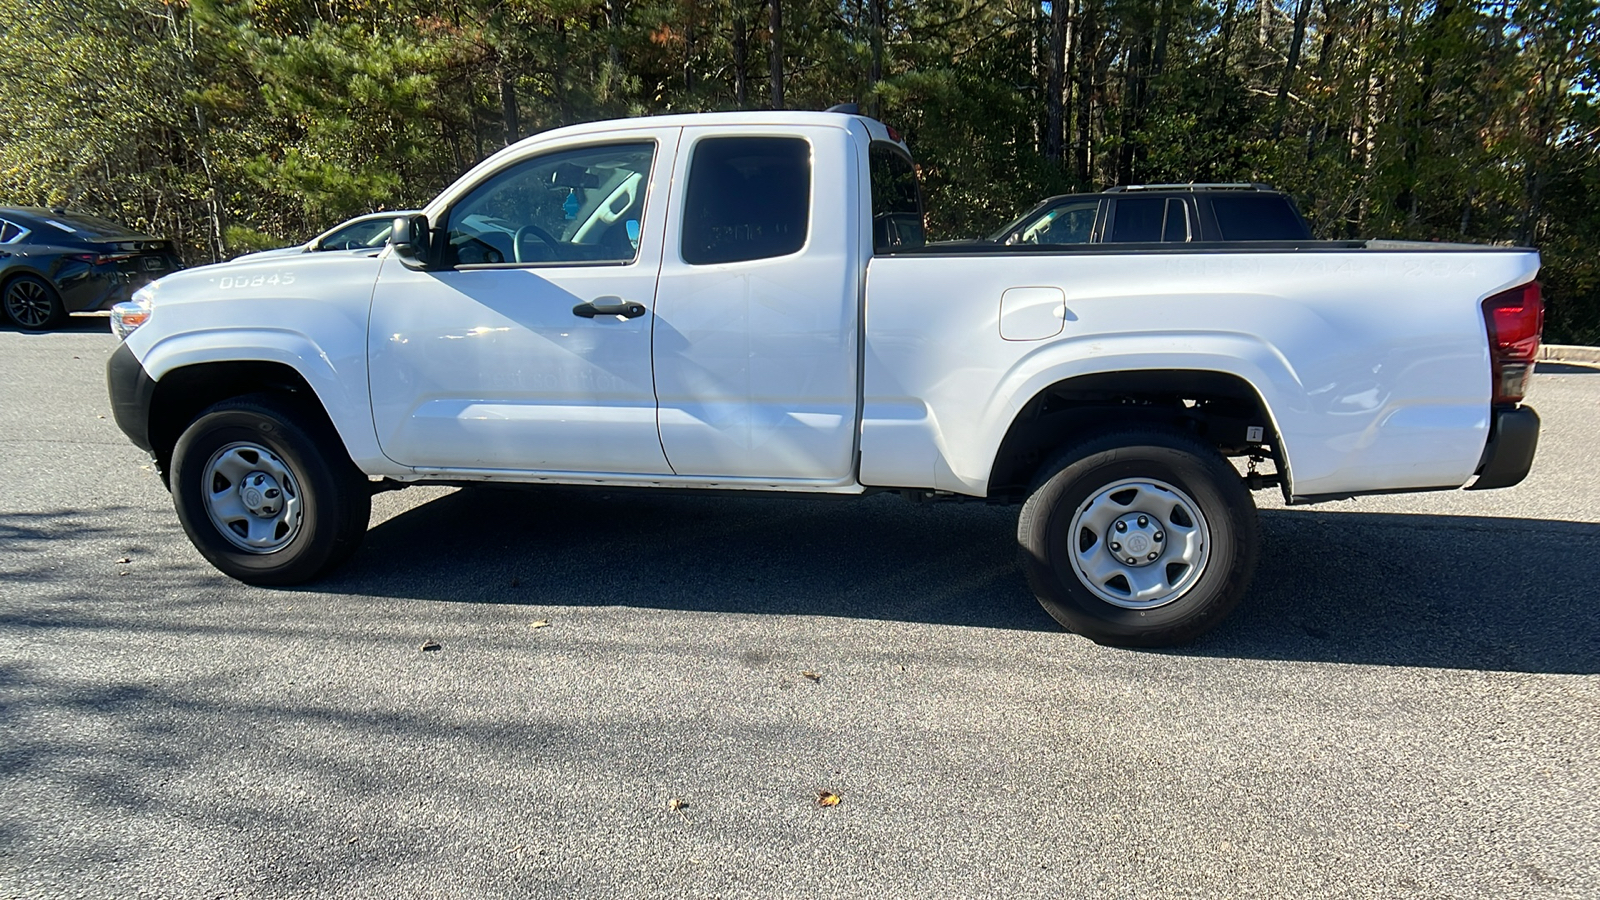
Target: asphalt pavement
642,695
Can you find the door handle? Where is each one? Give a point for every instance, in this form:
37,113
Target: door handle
609,306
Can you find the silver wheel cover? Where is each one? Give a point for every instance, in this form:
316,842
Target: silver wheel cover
1138,543
252,498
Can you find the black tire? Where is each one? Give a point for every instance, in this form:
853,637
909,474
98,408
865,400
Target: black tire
334,499
32,303
1138,465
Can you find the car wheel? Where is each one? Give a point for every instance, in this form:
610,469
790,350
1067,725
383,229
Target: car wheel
1140,537
266,492
32,303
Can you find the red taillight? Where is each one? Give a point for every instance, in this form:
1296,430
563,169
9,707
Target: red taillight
1515,319
894,135
100,259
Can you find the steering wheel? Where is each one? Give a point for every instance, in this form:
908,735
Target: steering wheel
541,234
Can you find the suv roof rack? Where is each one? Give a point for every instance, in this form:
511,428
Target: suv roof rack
1192,186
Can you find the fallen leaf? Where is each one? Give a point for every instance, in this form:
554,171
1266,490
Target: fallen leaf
542,623
351,841
811,675
125,559
827,798
430,646
677,803
123,572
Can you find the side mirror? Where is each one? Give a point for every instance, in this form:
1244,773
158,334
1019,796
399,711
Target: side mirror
410,237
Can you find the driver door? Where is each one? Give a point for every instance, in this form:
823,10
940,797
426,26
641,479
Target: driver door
489,361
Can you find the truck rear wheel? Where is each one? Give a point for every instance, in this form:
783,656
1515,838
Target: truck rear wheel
266,492
1141,537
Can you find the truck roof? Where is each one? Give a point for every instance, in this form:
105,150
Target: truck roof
786,117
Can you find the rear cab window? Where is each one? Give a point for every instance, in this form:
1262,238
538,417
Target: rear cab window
897,222
748,198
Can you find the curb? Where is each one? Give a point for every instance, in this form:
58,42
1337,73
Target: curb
1568,353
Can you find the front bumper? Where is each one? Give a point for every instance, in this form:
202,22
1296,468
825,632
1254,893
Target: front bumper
1513,438
131,390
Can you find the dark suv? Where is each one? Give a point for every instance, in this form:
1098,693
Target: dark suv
1161,213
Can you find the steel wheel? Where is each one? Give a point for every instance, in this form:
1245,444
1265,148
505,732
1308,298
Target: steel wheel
31,303
1138,536
1139,543
252,498
266,491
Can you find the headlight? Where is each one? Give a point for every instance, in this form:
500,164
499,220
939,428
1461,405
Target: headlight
127,316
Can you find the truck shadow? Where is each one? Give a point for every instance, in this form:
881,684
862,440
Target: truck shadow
873,558
1458,592
1360,588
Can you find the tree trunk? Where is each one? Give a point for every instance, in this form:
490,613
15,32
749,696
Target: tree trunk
876,75
1089,51
741,57
1055,81
1300,16
775,50
508,109
614,18
688,48
1132,102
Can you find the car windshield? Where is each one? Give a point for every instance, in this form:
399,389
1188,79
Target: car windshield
364,233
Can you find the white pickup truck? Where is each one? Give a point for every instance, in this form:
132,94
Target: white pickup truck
744,301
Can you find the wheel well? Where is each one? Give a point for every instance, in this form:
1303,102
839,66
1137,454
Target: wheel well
25,273
183,394
1216,407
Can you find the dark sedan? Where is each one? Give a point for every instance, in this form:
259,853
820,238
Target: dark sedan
54,262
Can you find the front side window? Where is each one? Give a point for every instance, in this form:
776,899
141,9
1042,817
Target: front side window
1069,223
748,198
571,206
896,200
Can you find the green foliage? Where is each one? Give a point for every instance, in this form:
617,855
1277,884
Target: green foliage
231,125
242,239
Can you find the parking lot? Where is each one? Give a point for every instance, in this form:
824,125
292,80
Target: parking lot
640,695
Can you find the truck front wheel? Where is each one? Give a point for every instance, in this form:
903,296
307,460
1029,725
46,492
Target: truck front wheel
266,492
1141,537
